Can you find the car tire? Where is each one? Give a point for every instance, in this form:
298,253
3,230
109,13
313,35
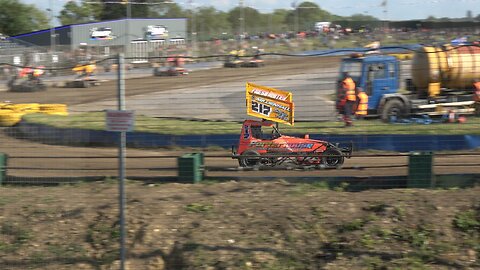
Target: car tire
249,158
332,158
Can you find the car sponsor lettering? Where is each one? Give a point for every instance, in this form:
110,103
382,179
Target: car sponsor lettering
246,133
269,94
281,145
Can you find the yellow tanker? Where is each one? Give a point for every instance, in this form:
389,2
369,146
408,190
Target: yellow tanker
445,67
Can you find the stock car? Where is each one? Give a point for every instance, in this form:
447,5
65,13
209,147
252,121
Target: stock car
257,148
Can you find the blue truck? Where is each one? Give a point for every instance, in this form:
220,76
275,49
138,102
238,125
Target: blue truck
440,81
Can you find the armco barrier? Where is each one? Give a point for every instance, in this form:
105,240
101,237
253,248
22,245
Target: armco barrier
399,143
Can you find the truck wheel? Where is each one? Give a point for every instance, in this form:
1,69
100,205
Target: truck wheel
249,158
393,108
332,158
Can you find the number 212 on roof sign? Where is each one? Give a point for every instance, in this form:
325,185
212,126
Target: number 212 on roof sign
269,103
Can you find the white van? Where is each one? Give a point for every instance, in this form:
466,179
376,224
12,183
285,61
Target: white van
320,26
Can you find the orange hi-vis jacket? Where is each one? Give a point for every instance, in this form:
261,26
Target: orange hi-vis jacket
476,95
363,104
349,87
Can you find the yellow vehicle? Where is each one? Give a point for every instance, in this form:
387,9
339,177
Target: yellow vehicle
234,59
85,76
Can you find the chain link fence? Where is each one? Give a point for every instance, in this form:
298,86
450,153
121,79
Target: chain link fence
383,209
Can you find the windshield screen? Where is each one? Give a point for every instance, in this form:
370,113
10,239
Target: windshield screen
354,69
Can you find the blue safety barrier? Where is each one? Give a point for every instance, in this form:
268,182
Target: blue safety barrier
400,143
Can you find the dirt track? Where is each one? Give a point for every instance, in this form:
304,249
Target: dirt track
81,166
138,86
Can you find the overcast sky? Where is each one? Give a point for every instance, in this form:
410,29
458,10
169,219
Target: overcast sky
395,9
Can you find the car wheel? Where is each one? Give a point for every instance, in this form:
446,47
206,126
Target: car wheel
332,158
249,158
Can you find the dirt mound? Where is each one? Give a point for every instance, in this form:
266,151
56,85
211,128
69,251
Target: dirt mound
239,225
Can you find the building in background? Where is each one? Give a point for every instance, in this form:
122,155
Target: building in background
138,38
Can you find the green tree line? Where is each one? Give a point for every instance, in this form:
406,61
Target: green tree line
17,17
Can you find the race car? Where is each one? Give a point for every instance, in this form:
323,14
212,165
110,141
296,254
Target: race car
85,77
28,79
175,68
256,149
256,60
233,59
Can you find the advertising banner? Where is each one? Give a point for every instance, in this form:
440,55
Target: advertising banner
270,103
156,32
101,33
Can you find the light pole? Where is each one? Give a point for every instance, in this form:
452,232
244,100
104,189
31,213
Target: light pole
52,33
127,28
194,29
242,21
295,15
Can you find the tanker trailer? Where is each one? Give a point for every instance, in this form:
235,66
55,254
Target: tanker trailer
439,70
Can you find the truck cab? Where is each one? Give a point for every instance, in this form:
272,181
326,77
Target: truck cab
377,75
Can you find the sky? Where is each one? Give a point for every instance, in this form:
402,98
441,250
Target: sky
395,9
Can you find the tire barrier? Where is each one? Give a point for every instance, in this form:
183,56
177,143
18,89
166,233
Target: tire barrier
54,109
9,118
11,114
26,107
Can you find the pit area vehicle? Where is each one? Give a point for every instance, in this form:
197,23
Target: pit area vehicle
440,80
270,149
27,80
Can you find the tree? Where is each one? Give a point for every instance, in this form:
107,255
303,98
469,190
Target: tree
169,10
362,17
138,8
250,16
210,22
304,16
277,22
73,13
17,18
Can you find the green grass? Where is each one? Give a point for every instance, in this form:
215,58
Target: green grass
198,207
467,221
96,121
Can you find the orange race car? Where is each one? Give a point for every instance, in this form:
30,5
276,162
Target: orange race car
257,148
176,67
